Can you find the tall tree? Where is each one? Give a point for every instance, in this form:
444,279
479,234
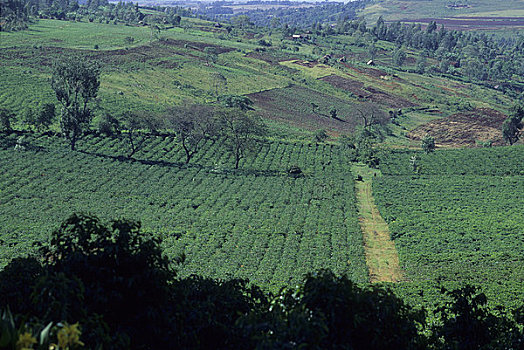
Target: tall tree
428,143
192,124
243,131
512,126
133,121
75,82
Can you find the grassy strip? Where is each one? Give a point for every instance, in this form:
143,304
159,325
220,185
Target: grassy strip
381,254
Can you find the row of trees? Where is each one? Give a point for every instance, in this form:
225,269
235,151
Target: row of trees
115,281
16,14
476,56
76,81
192,124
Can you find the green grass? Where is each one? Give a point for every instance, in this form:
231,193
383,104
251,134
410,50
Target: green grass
154,74
256,222
75,35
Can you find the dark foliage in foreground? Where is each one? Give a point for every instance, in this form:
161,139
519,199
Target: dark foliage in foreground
117,283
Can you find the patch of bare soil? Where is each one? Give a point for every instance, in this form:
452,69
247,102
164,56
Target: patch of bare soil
292,105
196,45
273,58
309,64
368,93
464,129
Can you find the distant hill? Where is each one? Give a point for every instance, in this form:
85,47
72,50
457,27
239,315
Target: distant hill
413,9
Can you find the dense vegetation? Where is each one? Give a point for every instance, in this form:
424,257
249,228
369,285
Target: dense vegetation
232,144
288,14
115,281
17,14
258,222
457,206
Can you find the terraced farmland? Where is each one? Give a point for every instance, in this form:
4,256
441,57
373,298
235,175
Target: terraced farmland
257,222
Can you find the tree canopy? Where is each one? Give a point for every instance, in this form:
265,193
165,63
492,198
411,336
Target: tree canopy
75,82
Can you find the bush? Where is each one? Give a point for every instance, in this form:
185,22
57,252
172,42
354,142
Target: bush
295,171
428,143
6,116
108,125
321,135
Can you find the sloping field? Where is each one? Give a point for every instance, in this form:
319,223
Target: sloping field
464,129
393,10
294,105
473,23
368,93
256,222
458,222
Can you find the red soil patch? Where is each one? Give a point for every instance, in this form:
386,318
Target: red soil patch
368,93
464,129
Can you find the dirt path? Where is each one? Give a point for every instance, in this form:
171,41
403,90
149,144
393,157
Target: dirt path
381,254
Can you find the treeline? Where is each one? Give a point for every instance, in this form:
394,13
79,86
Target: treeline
17,14
497,62
477,55
14,15
96,285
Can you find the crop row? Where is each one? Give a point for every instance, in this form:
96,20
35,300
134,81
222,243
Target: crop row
499,161
257,222
458,229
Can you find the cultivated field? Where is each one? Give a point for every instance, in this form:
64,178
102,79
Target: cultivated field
394,10
458,220
147,74
256,222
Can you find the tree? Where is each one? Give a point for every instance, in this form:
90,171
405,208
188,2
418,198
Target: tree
219,82
428,143
372,116
211,54
314,107
133,121
512,126
192,124
399,56
108,125
466,322
119,272
75,82
6,116
236,101
372,51
333,113
241,21
321,135
45,116
421,65
242,131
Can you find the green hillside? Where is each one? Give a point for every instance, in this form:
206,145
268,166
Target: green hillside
193,64
393,10
330,95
